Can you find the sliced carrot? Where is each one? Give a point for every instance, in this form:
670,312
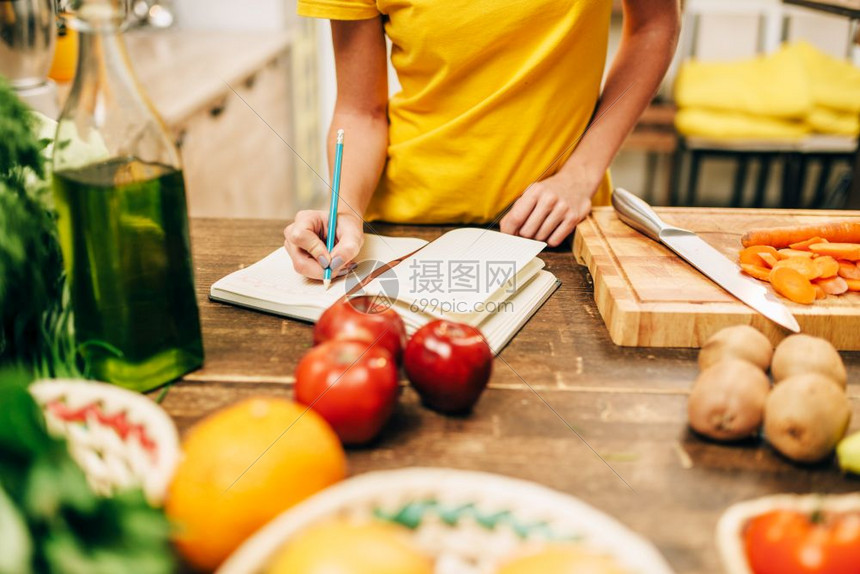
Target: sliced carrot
853,284
751,255
849,269
769,260
827,266
849,251
833,286
819,292
803,265
779,237
758,271
804,245
789,283
786,253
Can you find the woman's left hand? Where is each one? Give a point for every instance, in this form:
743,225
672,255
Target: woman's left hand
550,209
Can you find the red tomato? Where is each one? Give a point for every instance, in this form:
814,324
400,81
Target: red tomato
790,542
362,319
449,365
351,384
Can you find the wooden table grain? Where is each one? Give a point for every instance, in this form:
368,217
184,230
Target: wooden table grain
566,408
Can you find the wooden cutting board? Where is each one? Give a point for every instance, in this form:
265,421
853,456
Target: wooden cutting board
649,297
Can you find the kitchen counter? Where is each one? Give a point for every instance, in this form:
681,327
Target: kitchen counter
566,408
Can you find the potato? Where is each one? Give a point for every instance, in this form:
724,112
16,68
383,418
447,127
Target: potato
741,342
800,354
727,401
805,417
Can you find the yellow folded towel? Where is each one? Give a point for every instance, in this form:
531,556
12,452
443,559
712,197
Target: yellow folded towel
829,121
835,83
737,125
788,94
776,86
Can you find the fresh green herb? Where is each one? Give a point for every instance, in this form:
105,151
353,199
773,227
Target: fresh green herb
57,523
35,317
19,150
163,394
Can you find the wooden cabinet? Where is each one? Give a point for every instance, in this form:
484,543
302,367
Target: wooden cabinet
227,98
236,161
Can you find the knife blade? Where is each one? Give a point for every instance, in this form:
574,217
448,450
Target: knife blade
697,252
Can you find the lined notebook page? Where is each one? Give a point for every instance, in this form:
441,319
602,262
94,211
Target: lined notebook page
274,279
459,272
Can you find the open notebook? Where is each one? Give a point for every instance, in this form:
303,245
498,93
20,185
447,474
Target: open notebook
487,279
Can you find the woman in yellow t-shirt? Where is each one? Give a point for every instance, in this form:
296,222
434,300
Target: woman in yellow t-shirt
495,101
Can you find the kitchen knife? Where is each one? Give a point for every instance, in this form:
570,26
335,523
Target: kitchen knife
695,251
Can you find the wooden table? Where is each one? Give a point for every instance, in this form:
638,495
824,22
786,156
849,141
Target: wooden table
566,408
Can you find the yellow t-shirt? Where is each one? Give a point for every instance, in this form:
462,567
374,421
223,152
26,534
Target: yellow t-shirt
495,94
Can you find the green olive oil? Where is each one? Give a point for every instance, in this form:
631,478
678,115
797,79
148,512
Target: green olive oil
124,233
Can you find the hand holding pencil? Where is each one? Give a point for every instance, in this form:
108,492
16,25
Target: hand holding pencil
314,251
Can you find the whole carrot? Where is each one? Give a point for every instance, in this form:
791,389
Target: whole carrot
780,237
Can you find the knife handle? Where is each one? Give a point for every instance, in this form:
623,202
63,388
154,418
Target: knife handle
637,214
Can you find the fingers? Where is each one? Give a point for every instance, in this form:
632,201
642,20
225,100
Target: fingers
306,233
312,219
350,238
576,214
302,240
513,221
302,261
565,228
548,211
304,264
553,220
543,209
310,243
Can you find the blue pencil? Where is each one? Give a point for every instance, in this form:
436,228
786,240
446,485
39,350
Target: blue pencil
335,196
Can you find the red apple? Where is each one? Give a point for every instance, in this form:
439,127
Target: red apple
352,385
449,365
362,319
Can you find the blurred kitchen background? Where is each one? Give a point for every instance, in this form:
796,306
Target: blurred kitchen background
248,88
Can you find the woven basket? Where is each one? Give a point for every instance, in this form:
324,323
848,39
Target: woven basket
730,528
119,438
469,521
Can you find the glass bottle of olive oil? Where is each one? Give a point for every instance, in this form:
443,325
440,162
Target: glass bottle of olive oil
122,216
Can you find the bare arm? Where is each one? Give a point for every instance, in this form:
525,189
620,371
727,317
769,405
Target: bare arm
550,209
648,42
361,111
361,108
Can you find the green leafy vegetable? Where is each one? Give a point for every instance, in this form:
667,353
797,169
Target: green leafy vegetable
46,505
19,150
35,317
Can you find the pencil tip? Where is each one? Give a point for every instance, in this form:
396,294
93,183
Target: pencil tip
326,283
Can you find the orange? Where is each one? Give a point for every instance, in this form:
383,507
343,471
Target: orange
243,466
561,559
355,548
